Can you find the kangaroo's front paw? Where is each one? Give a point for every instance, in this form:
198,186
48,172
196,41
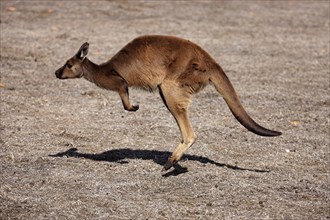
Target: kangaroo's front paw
134,108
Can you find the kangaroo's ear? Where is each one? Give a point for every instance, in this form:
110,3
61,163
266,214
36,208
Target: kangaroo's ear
83,51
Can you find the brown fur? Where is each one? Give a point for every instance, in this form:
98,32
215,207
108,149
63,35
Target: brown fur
176,67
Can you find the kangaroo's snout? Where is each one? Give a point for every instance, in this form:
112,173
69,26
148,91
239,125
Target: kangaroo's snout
58,74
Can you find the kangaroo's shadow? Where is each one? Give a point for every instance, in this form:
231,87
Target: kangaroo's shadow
159,157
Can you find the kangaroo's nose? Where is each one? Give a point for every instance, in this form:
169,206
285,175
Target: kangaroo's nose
58,74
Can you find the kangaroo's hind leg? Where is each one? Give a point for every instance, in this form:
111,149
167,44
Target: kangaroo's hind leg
177,100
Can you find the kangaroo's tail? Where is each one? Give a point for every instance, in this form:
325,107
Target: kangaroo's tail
225,88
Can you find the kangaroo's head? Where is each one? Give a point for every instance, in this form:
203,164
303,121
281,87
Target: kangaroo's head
73,68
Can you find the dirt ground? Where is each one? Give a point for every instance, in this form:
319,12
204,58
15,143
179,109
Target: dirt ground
68,150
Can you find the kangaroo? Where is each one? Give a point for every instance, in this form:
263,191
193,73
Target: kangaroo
176,67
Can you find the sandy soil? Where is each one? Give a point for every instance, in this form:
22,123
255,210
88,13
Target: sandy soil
68,150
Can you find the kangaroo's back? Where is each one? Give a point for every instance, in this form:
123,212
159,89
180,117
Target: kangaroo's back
148,60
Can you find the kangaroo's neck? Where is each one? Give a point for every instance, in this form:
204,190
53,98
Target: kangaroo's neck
101,75
91,71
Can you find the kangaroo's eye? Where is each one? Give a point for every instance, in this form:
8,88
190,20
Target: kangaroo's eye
69,65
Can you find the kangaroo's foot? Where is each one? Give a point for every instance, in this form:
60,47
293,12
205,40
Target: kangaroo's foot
169,164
